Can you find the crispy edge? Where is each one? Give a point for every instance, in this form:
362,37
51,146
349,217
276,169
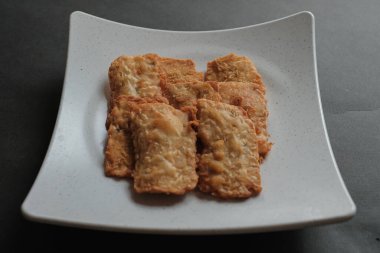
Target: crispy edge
118,160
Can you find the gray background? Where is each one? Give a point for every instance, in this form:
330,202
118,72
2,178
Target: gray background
33,44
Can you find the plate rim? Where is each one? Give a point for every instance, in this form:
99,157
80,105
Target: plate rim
343,216
81,13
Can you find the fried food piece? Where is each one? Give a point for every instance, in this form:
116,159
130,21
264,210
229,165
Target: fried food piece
234,68
119,160
179,70
143,76
186,93
250,97
118,157
229,164
137,76
164,145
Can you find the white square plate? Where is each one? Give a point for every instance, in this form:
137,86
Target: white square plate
301,181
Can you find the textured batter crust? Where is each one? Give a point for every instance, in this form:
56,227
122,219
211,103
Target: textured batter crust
178,70
118,157
234,68
119,160
164,146
250,97
143,76
137,76
118,153
186,93
229,164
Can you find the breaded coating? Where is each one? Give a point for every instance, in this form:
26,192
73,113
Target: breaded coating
119,158
143,76
186,93
137,76
234,68
140,77
164,146
179,70
250,97
229,164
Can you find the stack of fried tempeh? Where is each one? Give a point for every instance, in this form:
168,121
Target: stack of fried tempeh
156,103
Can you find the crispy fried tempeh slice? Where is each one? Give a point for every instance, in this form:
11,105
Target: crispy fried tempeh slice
179,70
234,68
137,76
118,157
118,153
164,146
229,164
250,97
186,93
143,76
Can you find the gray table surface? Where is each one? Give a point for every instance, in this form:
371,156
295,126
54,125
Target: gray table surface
33,44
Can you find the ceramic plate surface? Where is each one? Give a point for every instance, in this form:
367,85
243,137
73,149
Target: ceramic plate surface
302,185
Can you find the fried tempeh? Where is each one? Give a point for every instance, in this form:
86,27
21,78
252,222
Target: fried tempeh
234,68
118,160
137,76
186,93
250,97
179,70
119,151
229,163
143,76
164,147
